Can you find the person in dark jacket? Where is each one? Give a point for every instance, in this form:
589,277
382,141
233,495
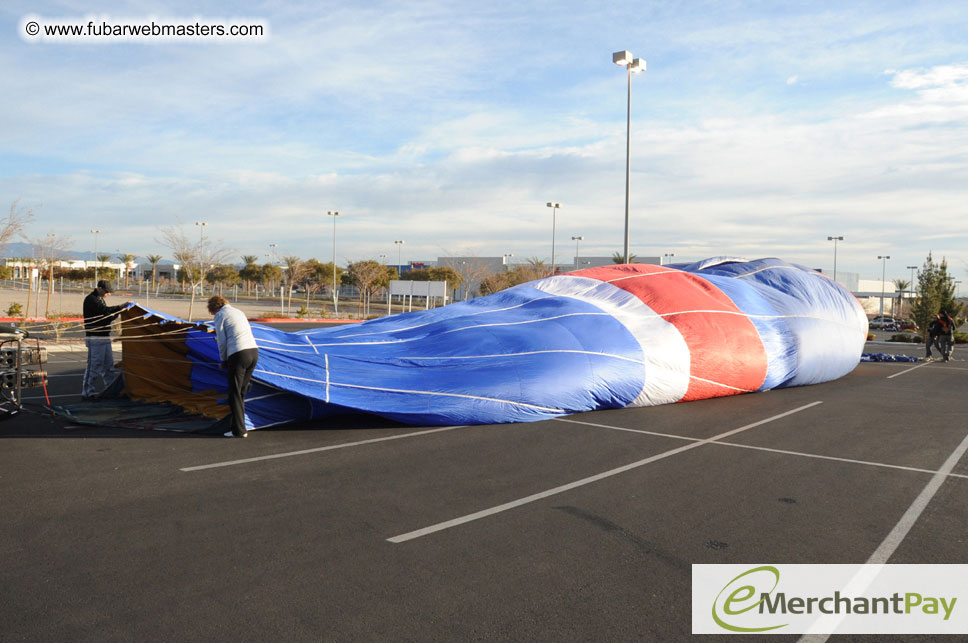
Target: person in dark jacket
97,329
934,329
946,336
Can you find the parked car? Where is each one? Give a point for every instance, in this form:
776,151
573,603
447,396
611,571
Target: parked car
907,324
884,322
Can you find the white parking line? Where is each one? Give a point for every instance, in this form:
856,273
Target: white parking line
893,540
908,370
332,447
758,448
584,481
903,526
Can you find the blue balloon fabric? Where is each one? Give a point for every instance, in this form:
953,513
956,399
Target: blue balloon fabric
609,337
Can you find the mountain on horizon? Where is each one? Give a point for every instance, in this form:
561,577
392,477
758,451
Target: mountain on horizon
20,249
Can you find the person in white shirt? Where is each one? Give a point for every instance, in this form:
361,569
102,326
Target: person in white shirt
238,353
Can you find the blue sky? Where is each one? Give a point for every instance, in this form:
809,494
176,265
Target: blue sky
759,129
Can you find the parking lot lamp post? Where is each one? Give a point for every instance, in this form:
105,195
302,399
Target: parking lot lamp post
399,245
334,214
577,240
668,254
282,300
201,230
95,233
554,211
506,260
835,240
632,65
883,259
912,269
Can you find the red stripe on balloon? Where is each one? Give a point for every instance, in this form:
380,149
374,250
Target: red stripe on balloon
725,350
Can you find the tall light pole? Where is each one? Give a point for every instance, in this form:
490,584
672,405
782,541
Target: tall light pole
577,240
883,259
632,65
668,254
399,245
282,300
334,214
96,261
554,211
201,230
912,269
835,240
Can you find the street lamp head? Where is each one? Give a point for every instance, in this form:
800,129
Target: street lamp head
835,238
552,204
578,238
883,256
334,213
622,57
637,65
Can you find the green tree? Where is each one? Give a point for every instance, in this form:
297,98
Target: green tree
367,276
250,272
189,274
221,276
102,272
619,258
271,273
936,292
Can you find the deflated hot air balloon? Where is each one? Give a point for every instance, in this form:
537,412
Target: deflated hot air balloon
610,337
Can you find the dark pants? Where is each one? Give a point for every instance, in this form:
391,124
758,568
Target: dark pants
932,340
240,367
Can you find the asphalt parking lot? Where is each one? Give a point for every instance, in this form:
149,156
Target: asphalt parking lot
577,529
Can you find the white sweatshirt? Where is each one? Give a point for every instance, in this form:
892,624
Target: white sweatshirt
232,331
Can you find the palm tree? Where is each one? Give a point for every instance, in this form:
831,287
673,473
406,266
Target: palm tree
900,285
293,265
153,260
101,260
127,260
249,272
619,258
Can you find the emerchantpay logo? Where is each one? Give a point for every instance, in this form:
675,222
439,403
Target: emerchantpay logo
829,599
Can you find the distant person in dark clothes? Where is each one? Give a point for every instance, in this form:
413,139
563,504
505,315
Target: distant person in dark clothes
97,329
946,338
238,353
934,329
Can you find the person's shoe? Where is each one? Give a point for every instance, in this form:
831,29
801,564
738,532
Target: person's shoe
229,434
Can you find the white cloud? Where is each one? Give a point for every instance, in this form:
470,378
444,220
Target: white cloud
452,126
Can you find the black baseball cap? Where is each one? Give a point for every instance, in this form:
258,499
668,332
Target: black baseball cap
104,285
